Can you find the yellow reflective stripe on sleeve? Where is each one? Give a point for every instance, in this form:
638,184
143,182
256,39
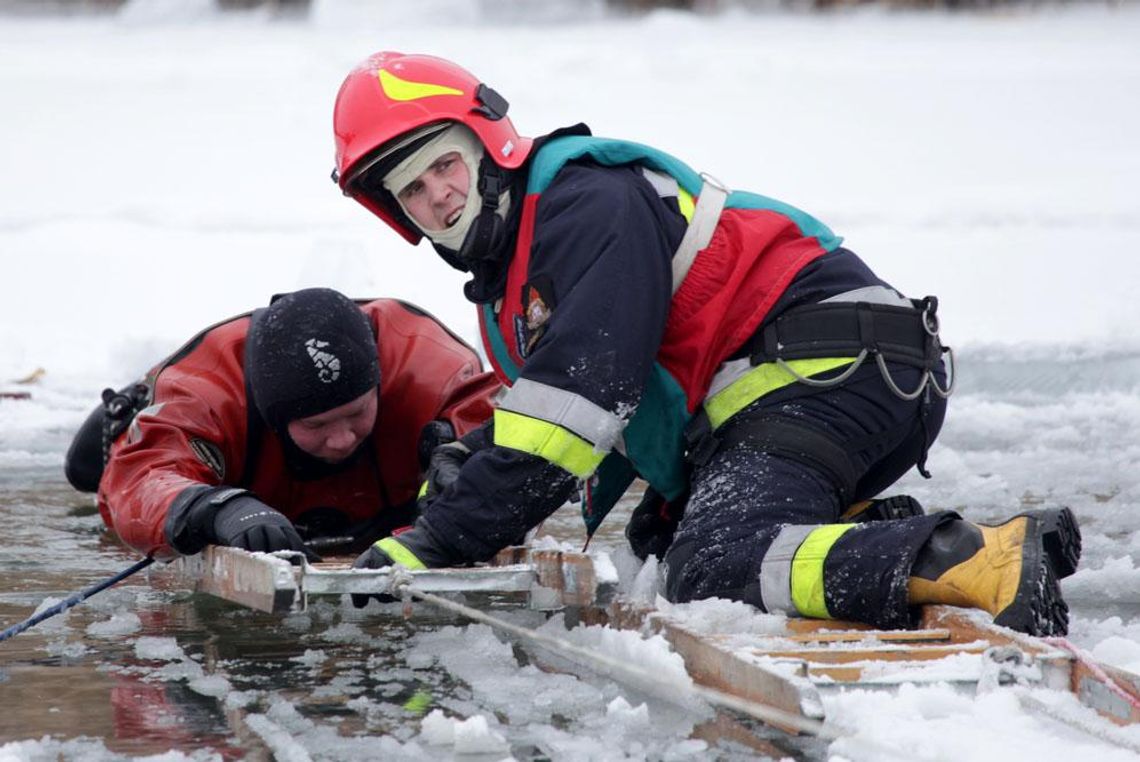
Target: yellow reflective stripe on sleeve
685,201
762,380
406,90
548,441
400,554
423,490
807,570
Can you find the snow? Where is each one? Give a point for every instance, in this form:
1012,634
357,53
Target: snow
167,167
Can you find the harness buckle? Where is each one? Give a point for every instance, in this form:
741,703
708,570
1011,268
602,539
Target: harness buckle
710,180
700,442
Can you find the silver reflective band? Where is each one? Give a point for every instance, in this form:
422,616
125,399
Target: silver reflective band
872,295
665,185
700,231
572,412
776,569
729,372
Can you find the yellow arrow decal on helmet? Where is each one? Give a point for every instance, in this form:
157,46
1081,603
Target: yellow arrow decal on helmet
405,90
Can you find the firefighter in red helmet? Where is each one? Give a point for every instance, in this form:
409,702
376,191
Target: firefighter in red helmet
723,346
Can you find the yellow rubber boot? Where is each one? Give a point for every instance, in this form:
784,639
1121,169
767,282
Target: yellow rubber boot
1012,570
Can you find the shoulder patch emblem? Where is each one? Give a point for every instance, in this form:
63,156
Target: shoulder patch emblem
538,304
210,454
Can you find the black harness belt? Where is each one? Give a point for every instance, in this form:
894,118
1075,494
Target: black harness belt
829,329
834,329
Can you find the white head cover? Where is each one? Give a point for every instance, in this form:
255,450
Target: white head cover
456,138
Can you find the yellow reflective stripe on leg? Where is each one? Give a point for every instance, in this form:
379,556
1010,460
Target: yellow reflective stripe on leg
400,554
762,380
423,490
807,570
548,441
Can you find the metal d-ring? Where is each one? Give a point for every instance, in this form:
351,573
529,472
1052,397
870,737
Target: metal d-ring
930,322
824,383
895,387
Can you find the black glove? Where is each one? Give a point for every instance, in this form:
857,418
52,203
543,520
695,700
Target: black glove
377,557
652,524
443,469
246,522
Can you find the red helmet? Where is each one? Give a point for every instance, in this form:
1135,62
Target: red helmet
392,94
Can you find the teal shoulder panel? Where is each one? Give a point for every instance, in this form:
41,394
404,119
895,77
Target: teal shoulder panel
654,442
612,153
655,436
809,226
498,347
610,482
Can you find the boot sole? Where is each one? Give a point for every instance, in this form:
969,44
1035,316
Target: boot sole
1062,540
1050,551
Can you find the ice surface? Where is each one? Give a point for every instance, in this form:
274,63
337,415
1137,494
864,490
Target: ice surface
987,158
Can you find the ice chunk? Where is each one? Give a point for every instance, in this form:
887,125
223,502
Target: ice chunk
158,649
312,657
211,685
620,712
121,623
438,729
474,736
471,736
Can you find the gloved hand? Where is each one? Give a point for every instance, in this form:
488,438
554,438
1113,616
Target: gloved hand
653,523
443,468
246,522
378,556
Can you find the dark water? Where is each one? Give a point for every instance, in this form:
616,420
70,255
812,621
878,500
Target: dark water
96,682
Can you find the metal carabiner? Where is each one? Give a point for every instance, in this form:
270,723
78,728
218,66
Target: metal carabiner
895,387
953,376
827,382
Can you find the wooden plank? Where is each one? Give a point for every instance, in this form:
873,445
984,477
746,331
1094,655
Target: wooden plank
1112,692
713,664
571,575
851,636
255,580
716,667
871,653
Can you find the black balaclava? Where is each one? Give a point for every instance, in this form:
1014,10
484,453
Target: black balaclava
306,353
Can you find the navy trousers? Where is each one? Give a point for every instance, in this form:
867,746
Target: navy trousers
742,497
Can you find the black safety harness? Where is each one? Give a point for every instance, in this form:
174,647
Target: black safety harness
891,333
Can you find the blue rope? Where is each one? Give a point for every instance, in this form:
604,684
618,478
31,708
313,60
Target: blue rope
79,597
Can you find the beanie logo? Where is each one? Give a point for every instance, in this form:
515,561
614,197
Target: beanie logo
327,364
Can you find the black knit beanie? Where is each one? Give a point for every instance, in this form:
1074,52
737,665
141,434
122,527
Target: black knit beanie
309,352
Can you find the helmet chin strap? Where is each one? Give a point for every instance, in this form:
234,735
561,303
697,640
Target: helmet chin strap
489,226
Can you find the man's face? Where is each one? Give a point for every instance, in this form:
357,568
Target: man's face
335,434
436,198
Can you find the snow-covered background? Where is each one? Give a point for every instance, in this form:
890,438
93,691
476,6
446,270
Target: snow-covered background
166,167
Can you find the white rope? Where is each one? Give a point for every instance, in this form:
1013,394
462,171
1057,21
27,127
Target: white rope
619,669
1102,730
